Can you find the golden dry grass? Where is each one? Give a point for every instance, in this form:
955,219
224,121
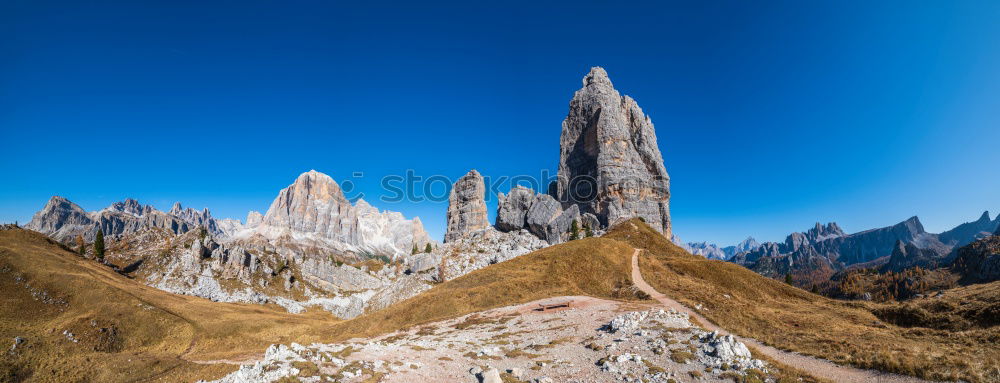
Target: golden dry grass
591,266
148,334
790,318
157,342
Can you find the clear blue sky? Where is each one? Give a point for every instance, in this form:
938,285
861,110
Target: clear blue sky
770,115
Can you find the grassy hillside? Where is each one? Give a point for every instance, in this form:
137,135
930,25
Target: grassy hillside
845,332
129,332
123,331
592,266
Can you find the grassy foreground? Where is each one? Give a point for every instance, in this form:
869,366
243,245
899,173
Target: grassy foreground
790,318
123,331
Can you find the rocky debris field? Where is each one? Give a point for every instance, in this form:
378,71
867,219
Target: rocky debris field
592,340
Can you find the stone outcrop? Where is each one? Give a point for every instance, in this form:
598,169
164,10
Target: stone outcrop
466,207
512,209
542,211
609,164
541,215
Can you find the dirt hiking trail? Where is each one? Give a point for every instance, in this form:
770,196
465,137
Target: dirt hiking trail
817,367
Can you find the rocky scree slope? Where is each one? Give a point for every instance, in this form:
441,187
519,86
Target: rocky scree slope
312,248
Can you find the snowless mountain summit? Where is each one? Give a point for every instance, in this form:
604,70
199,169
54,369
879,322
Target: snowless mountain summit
314,207
609,163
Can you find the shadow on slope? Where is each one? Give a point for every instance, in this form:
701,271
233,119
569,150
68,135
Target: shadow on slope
790,318
82,322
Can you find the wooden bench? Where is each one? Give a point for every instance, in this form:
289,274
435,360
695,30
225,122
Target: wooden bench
553,305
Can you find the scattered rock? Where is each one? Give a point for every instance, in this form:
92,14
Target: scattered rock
491,375
516,373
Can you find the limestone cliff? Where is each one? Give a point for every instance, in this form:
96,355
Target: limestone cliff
609,162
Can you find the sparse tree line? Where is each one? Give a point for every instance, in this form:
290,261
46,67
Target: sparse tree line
98,245
574,231
427,249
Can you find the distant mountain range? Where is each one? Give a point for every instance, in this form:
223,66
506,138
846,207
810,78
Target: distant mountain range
820,252
712,251
312,210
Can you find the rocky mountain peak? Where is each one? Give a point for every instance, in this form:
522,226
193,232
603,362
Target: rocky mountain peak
312,205
597,77
466,206
314,209
129,206
913,223
748,244
968,232
59,212
823,232
610,165
984,218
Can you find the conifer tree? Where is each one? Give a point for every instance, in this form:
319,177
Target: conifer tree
574,231
99,245
81,246
414,251
427,249
588,231
788,278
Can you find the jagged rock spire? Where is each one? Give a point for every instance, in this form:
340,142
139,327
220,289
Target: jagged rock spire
609,162
466,206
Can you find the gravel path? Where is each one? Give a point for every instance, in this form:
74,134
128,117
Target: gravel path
817,367
591,341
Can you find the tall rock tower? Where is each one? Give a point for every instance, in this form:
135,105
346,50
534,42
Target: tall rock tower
609,164
466,207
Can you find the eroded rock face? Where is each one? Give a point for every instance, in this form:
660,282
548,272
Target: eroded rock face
512,209
543,210
314,205
466,207
314,210
254,219
195,218
541,215
609,163
61,219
